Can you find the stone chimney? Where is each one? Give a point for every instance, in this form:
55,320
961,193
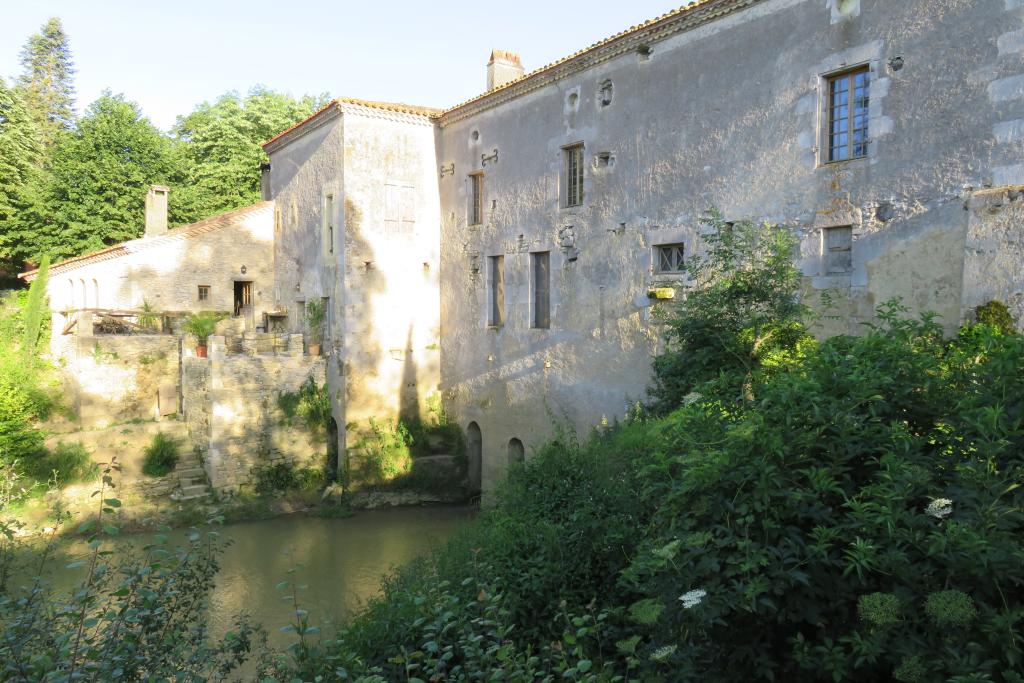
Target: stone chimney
156,210
503,68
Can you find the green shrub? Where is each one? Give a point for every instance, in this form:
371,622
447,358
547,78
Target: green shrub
858,519
996,314
67,463
134,614
742,314
311,404
284,476
382,453
161,456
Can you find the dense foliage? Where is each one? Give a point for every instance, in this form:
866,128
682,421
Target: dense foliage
132,616
27,394
859,519
160,457
71,186
741,312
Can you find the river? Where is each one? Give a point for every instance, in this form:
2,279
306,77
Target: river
341,561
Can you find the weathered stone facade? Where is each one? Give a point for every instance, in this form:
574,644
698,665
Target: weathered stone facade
166,271
233,417
723,103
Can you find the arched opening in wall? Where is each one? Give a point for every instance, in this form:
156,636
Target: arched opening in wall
474,456
516,452
71,294
95,294
84,294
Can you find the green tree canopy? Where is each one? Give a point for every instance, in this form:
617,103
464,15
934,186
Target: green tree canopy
21,155
99,174
46,80
219,149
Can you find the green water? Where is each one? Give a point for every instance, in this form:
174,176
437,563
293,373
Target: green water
342,562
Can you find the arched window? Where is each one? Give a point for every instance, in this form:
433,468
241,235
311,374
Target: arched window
474,456
95,294
516,452
71,294
83,293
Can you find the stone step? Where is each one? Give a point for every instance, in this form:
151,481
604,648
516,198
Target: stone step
194,491
191,472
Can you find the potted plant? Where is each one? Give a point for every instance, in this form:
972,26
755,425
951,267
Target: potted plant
315,321
147,318
201,326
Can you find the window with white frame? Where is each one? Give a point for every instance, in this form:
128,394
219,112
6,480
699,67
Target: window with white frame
399,208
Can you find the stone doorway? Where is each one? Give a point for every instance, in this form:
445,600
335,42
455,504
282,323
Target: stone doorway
244,303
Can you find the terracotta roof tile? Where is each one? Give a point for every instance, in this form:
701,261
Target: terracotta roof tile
202,227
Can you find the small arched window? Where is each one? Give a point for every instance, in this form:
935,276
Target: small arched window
516,452
474,455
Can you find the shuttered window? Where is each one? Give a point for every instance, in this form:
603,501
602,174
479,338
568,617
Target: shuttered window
838,250
540,266
476,199
496,290
573,173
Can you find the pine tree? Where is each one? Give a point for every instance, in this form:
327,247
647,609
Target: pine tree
21,156
46,80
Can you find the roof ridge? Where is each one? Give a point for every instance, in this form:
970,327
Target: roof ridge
436,114
225,219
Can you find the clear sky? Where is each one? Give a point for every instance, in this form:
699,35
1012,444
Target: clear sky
169,55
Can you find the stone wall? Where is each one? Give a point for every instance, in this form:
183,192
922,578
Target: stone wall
231,409
994,254
112,378
166,271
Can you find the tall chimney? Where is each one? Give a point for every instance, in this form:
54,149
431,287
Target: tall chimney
156,210
503,68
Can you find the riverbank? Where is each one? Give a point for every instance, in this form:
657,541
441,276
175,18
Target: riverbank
139,512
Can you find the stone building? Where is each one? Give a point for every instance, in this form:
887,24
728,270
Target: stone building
502,251
224,263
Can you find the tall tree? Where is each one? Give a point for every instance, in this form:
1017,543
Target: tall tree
220,149
99,174
20,159
46,80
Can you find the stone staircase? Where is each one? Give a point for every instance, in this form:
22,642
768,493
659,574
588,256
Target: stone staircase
191,478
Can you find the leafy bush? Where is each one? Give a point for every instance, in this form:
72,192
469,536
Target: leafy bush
161,456
382,452
858,519
134,615
743,313
67,463
996,314
284,476
311,404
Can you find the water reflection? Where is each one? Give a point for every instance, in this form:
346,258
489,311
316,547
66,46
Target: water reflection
342,562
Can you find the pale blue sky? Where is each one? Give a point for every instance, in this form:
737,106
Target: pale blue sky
169,55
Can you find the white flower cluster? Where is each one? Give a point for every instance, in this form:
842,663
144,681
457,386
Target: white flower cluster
940,508
693,598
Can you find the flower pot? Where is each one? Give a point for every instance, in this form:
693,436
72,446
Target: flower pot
200,350
314,349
